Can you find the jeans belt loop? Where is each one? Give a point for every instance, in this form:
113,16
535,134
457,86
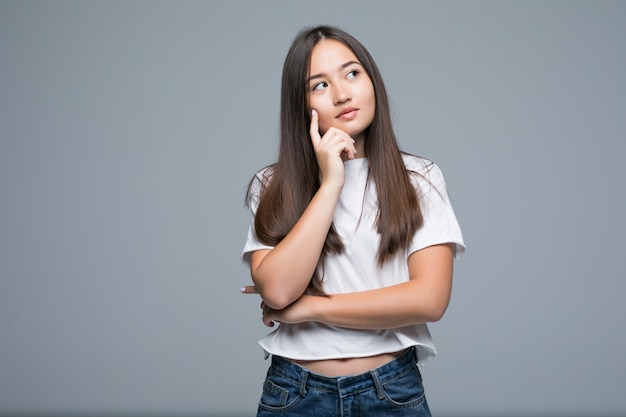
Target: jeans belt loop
379,385
304,376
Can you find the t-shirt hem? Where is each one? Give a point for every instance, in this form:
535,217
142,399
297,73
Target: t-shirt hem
425,352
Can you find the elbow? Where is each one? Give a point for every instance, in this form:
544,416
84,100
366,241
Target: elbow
277,291
436,311
274,297
434,316
276,300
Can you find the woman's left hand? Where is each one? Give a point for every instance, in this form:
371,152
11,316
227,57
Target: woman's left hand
297,312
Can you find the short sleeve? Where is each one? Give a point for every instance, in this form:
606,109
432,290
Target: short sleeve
252,241
440,223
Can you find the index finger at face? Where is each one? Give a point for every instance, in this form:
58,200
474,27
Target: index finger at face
249,289
315,128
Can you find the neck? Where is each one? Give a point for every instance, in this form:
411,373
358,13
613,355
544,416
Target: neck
359,144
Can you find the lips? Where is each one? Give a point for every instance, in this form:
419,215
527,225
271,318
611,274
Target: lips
347,113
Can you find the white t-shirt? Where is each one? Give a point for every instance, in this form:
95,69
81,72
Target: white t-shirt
356,269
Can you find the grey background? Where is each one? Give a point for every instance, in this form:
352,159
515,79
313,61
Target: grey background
129,130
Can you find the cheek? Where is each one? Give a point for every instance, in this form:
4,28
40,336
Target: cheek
325,122
323,119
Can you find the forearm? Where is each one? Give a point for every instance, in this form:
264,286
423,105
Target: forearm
395,306
282,274
423,298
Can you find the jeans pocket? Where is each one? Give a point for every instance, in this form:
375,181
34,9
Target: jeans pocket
406,390
279,394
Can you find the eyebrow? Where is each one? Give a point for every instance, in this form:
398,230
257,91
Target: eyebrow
321,75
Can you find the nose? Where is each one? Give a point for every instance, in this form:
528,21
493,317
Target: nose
342,94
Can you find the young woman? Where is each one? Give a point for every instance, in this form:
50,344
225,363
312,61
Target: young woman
352,243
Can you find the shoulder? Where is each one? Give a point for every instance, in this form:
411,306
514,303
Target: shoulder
258,183
417,163
262,177
423,168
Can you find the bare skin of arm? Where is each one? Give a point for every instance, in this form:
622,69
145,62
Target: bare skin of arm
424,298
281,275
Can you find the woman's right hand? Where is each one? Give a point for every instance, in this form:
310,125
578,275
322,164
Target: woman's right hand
331,150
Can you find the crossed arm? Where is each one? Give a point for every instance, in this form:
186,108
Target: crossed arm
424,298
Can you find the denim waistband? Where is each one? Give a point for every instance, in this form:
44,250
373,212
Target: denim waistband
348,384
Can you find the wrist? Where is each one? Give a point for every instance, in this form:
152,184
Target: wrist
330,189
317,307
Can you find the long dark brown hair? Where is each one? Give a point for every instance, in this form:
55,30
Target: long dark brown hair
294,179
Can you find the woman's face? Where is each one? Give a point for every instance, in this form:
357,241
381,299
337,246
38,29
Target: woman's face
339,89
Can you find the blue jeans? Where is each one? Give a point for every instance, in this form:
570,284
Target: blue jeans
394,389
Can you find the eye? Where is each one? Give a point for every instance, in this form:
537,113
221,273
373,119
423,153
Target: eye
352,74
319,86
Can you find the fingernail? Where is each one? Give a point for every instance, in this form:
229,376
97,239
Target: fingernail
242,289
313,112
